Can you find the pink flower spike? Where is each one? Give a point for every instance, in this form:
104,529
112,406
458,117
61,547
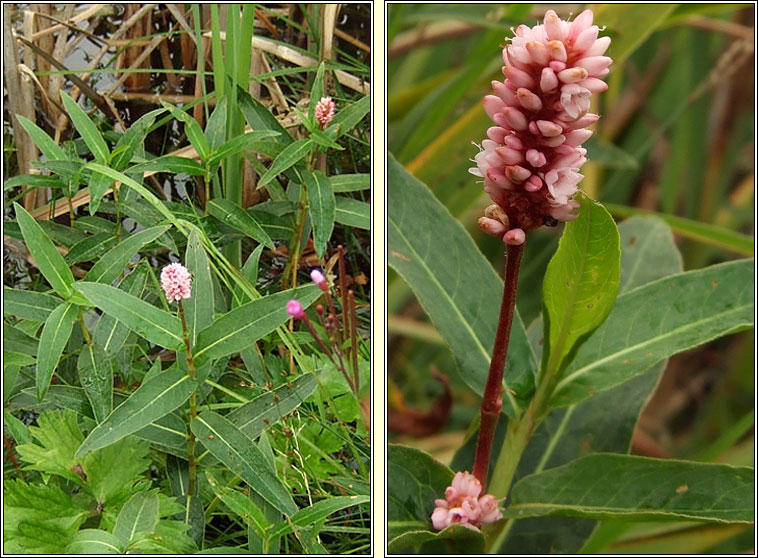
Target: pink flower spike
324,111
176,282
295,309
318,278
514,237
463,505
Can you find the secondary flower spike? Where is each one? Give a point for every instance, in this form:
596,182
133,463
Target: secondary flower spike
531,158
295,309
463,505
324,111
176,282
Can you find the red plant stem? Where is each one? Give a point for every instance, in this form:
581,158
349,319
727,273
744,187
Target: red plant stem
343,287
492,399
192,463
354,340
13,457
328,352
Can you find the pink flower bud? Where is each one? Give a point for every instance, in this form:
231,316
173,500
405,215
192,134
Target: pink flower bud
509,156
594,64
505,94
548,80
295,309
324,111
176,282
554,26
538,52
496,134
318,278
586,39
491,226
517,174
493,105
535,158
515,118
548,128
528,100
557,51
519,78
599,47
572,75
514,237
582,22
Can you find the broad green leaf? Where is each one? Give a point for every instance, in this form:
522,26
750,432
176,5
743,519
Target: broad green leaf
318,512
86,129
256,415
17,429
110,333
96,378
242,456
580,285
317,90
345,119
249,141
459,540
417,480
439,260
148,321
28,305
46,256
154,399
658,320
612,486
98,186
234,216
172,164
192,129
198,308
139,514
168,433
353,213
215,129
16,340
33,180
112,264
321,207
350,182
289,156
44,143
243,326
629,25
94,542
90,248
55,334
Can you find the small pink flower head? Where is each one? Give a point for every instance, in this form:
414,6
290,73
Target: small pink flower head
318,278
295,309
176,282
462,505
531,158
324,111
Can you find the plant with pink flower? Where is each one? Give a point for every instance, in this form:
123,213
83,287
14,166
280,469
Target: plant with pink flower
463,505
531,158
324,111
176,282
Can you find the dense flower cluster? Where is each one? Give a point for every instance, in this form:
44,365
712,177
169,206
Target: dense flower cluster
324,111
176,282
531,160
295,309
463,505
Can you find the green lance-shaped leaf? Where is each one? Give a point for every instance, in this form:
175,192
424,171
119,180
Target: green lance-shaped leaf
154,399
110,266
289,156
241,505
321,207
44,143
260,117
110,333
658,320
131,141
192,129
243,326
347,118
353,213
629,487
28,305
96,378
233,215
317,90
46,256
250,141
52,341
173,164
318,512
94,542
139,514
256,415
580,284
242,456
86,129
90,248
154,324
198,308
439,260
350,182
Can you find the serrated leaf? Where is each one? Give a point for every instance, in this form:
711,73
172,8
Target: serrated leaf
236,451
96,378
94,542
321,208
28,305
55,334
58,435
238,329
48,259
154,399
290,155
87,129
233,215
659,320
440,262
353,213
148,321
110,266
580,284
634,488
139,514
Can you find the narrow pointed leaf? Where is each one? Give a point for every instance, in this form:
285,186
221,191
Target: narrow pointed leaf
51,150
110,333
350,182
318,512
353,213
172,164
317,90
347,118
148,321
242,456
198,308
46,256
322,209
581,283
154,399
290,155
110,266
233,215
96,378
55,334
86,129
90,248
139,514
260,117
439,260
192,129
243,326
249,141
28,305
633,488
